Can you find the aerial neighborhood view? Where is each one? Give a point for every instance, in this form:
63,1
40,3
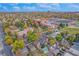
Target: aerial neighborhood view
38,29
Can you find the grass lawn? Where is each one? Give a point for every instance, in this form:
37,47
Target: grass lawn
71,30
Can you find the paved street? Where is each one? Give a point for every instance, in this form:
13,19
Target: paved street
1,38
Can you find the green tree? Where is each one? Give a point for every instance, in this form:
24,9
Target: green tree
29,22
18,44
20,24
25,26
52,41
62,25
59,37
32,36
8,40
71,38
5,24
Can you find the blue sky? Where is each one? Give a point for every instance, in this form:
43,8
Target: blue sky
39,7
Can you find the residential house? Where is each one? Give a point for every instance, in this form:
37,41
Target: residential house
54,50
24,51
31,47
23,34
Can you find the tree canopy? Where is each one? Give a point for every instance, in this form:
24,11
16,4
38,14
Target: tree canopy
18,44
32,36
59,37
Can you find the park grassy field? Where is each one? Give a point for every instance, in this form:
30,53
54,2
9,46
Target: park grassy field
71,30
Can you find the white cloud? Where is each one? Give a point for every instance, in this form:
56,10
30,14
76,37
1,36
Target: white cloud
52,6
5,8
16,8
13,4
32,8
39,7
44,5
74,5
